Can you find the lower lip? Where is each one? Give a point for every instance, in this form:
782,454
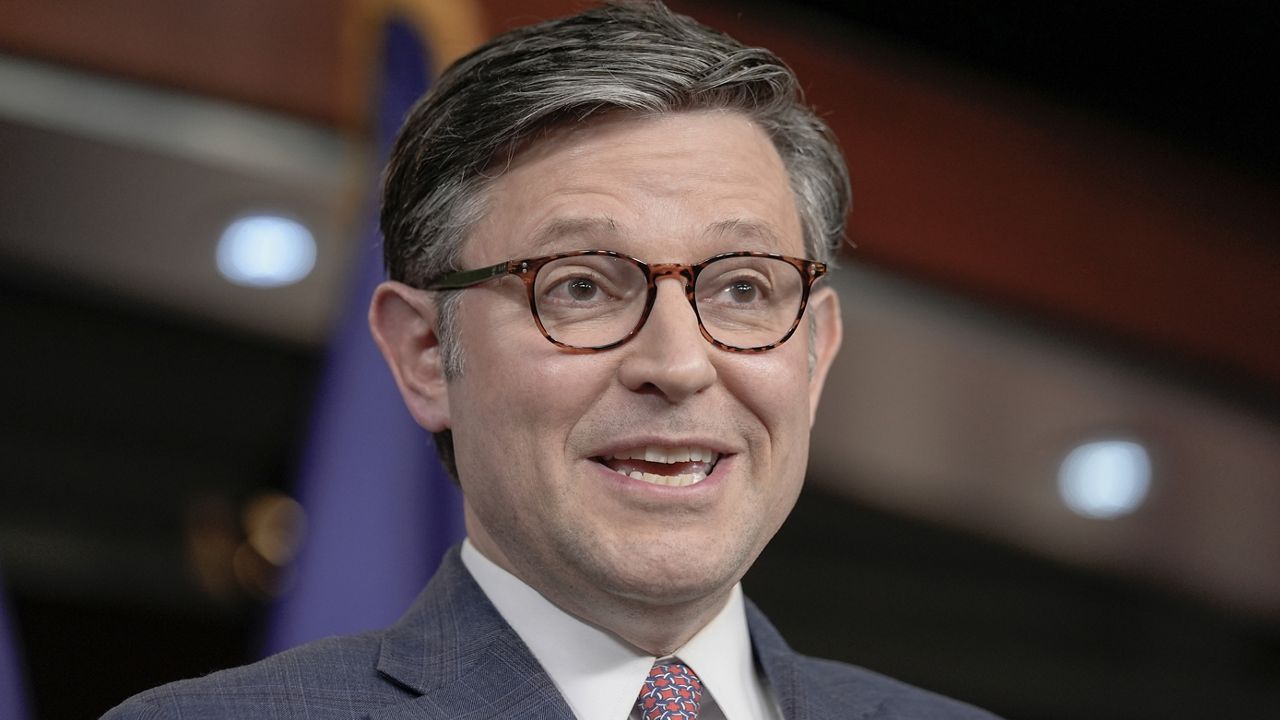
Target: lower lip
702,488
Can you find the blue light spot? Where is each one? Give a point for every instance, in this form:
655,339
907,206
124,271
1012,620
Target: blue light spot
1105,479
266,251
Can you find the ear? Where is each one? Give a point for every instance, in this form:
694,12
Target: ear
403,323
824,305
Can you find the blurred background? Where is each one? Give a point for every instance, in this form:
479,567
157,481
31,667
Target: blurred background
1046,472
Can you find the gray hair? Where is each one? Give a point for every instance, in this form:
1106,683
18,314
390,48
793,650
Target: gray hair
638,58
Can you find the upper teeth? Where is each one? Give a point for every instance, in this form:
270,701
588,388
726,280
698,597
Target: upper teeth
653,453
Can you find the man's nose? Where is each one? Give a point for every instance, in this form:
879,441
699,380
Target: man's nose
669,355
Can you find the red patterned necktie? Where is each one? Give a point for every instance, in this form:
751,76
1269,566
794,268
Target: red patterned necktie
671,692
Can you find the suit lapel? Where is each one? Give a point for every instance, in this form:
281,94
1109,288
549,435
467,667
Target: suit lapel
460,657
464,662
799,698
778,661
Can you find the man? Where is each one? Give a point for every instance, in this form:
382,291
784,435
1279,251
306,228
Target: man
605,235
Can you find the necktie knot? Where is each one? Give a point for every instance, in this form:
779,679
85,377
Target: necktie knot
671,692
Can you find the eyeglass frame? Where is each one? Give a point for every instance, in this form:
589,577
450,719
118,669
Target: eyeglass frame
527,270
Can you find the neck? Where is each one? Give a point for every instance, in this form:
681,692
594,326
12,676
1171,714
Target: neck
658,630
658,627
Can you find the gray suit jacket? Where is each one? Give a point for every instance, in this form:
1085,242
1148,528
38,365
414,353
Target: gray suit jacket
453,656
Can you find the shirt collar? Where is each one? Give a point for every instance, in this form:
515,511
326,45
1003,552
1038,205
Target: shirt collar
598,673
721,656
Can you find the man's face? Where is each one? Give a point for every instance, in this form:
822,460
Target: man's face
541,432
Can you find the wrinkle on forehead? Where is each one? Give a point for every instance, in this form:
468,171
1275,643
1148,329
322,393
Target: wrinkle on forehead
563,234
612,182
552,236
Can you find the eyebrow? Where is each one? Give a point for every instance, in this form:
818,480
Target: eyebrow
747,230
563,228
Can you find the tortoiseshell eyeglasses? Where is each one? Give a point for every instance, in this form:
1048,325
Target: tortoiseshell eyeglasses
599,299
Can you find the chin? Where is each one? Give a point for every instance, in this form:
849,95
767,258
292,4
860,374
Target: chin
666,594
667,580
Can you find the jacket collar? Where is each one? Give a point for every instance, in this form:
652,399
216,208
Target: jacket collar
778,661
799,697
455,650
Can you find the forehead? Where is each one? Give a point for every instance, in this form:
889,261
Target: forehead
664,187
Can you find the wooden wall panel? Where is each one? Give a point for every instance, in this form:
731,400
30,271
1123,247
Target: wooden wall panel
281,55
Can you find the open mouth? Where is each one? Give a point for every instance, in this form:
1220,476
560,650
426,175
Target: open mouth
673,466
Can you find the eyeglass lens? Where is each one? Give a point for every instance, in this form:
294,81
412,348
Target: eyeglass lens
595,300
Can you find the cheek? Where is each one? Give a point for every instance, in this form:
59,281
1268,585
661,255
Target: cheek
523,390
774,387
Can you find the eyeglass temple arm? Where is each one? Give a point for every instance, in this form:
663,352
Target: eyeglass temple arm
467,278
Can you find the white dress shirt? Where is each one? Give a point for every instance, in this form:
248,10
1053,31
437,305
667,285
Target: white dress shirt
600,675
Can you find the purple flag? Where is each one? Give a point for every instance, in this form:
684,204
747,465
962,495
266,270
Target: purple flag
380,508
13,691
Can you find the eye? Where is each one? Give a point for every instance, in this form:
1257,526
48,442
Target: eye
742,291
581,289
590,282
578,288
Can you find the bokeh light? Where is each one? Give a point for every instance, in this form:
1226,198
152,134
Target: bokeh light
1105,479
266,251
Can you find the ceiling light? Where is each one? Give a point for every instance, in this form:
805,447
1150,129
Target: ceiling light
1105,479
266,251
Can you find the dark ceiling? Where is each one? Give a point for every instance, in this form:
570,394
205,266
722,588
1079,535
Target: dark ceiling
1203,74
